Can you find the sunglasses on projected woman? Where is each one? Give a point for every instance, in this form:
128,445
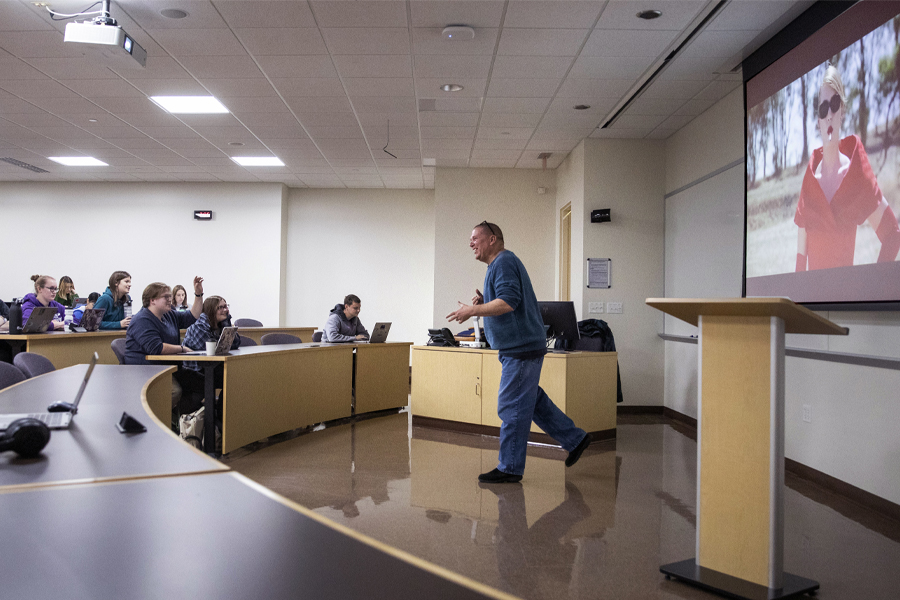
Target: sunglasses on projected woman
834,103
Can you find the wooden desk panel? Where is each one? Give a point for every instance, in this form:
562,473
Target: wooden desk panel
382,376
65,349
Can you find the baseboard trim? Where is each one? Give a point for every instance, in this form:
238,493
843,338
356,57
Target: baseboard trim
628,409
828,482
471,428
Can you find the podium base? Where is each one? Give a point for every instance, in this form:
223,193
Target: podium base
732,587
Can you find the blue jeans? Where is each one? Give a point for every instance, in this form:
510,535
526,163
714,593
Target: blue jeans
522,400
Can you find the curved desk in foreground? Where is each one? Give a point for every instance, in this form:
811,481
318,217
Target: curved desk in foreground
99,515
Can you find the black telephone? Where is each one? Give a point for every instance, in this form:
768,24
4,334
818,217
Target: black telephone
441,337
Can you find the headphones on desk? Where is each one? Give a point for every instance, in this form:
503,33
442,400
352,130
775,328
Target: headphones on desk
25,437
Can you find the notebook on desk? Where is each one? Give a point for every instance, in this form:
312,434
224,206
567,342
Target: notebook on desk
54,420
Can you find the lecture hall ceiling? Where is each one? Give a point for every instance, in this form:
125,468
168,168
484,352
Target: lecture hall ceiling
319,83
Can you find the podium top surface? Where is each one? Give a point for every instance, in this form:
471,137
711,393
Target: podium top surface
797,319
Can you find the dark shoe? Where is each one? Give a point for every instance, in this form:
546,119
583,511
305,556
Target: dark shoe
575,454
498,476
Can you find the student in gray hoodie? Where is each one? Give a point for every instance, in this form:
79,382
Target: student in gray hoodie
343,323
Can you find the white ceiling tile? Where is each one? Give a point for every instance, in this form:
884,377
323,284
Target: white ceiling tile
487,163
605,67
367,41
549,14
379,65
428,119
239,104
646,105
724,44
567,119
541,42
169,87
31,89
265,13
560,133
99,88
65,68
324,132
621,133
516,105
401,137
553,145
224,88
291,66
697,69
213,67
500,144
532,67
510,119
268,133
150,119
282,41
378,86
200,14
448,132
351,162
660,134
695,107
399,162
431,88
304,106
35,44
523,88
594,88
267,119
673,89
496,154
377,104
198,42
158,67
9,104
756,15
66,105
716,90
477,14
676,122
505,133
676,14
638,122
565,107
18,17
431,145
13,68
450,66
360,13
31,119
310,88
446,153
604,42
430,41
342,152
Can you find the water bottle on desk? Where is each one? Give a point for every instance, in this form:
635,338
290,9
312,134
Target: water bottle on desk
127,306
477,329
15,316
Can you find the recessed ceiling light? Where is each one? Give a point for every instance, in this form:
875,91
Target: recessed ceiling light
92,120
451,87
235,143
649,15
78,161
258,161
581,106
458,32
190,104
173,13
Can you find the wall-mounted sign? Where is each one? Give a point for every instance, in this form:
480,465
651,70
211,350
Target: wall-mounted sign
203,215
598,273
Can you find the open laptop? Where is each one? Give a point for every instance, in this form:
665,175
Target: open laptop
90,320
223,346
39,319
54,420
378,335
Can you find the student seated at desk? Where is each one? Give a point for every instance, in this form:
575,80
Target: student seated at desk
113,301
66,294
215,310
45,289
4,316
79,310
156,330
343,323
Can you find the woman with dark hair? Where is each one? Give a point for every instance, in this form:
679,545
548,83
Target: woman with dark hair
79,310
840,192
66,294
113,301
179,299
208,328
44,291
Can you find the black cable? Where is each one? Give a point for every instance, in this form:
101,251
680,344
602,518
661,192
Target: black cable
388,141
53,14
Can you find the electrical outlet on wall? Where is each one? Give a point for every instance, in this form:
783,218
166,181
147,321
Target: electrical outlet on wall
595,308
807,413
614,308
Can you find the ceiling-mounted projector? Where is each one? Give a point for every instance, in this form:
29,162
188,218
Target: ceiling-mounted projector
104,34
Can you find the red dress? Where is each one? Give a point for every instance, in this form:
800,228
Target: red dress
831,227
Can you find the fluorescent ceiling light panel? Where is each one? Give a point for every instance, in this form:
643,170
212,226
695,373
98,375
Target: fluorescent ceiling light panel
191,105
258,161
78,161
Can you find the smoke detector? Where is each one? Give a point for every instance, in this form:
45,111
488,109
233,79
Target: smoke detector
458,32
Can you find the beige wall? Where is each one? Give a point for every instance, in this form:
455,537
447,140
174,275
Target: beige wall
89,230
508,197
377,244
570,190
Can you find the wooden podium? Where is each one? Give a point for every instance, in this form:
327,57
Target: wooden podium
740,443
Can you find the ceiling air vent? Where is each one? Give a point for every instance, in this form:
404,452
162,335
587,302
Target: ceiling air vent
24,165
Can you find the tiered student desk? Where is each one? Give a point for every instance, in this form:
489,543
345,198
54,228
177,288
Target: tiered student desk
740,443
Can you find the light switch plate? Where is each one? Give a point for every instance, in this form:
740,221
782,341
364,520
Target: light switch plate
614,308
595,308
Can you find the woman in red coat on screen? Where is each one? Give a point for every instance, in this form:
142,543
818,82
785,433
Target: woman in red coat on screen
839,192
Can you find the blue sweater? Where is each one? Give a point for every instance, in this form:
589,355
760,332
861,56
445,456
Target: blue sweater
115,312
147,334
521,331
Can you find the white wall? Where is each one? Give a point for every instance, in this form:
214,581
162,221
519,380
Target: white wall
627,176
89,230
377,244
853,433
570,190
508,197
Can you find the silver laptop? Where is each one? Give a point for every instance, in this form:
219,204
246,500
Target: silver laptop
224,344
54,420
39,319
378,335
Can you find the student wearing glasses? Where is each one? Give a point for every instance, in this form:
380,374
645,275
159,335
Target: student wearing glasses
157,330
208,328
839,192
45,289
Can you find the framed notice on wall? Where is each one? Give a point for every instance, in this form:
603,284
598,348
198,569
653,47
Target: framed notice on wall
598,273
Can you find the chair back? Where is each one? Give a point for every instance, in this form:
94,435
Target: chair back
10,375
317,336
247,341
32,364
247,323
271,339
118,348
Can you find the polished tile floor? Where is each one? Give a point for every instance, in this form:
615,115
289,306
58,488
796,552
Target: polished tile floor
600,529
